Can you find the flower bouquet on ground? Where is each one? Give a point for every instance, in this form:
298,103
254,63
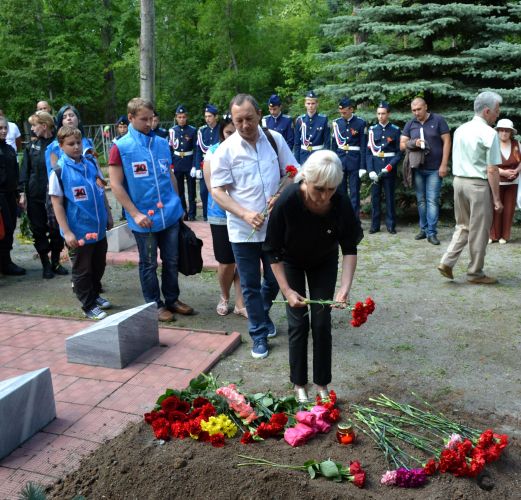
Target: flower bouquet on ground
209,412
456,448
327,468
290,173
359,312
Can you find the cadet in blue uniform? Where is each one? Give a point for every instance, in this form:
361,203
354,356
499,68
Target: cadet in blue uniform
383,148
160,131
207,135
349,142
182,139
311,130
283,124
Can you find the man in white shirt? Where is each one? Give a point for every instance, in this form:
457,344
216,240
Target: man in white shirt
246,172
475,156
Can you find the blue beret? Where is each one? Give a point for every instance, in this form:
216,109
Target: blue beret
180,109
210,108
274,100
311,95
122,119
345,102
384,104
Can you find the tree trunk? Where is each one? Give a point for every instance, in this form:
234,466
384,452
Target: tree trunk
358,38
147,54
110,82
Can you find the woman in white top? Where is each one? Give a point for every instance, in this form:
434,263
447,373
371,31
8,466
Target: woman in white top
509,179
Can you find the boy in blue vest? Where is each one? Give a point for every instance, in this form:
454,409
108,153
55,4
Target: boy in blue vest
77,192
142,181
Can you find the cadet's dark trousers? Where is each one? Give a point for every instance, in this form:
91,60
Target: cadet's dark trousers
203,192
321,283
8,207
190,182
351,179
88,266
46,238
387,182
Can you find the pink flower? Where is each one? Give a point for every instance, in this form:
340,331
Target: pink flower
389,478
306,417
321,418
298,435
160,204
453,441
237,402
81,242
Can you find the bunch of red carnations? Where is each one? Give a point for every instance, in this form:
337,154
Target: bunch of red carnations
361,311
181,419
464,459
273,428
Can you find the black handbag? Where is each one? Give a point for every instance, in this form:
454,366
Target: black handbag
190,246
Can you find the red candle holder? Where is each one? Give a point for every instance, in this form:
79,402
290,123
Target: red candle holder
345,434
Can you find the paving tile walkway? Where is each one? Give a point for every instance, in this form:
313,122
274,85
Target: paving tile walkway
201,229
93,404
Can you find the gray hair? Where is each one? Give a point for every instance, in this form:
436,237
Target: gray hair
323,168
240,99
488,100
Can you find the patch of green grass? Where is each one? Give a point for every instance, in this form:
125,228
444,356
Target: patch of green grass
402,348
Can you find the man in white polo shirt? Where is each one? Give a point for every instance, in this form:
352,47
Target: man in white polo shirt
475,156
246,172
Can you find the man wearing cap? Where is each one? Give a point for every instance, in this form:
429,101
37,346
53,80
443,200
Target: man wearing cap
283,124
349,142
383,154
207,135
182,139
430,132
311,130
160,131
476,154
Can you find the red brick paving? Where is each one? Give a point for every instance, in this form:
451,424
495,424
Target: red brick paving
93,404
201,229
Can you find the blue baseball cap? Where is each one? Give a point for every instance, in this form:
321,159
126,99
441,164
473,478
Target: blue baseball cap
311,95
345,102
274,100
210,108
384,104
122,119
180,109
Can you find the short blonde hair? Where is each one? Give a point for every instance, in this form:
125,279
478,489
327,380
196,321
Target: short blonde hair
65,132
137,104
43,118
323,168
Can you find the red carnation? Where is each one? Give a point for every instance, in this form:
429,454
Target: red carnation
160,428
150,417
359,479
279,419
334,415
355,467
332,396
291,171
247,438
199,401
217,440
179,430
170,403
176,415
430,467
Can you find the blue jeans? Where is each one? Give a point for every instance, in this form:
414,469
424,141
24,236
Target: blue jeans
428,184
168,243
258,296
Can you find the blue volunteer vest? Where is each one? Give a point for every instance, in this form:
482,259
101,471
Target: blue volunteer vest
146,163
84,205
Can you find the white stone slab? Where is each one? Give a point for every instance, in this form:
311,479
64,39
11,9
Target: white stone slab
117,340
120,238
26,406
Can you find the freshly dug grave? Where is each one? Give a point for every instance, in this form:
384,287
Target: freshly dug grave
135,465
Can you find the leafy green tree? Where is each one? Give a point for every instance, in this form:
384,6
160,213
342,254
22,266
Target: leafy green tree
445,52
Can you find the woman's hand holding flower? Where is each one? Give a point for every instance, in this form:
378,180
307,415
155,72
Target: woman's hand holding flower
295,299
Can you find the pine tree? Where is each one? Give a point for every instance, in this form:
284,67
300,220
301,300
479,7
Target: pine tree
447,53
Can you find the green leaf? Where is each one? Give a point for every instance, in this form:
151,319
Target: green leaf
267,401
329,469
312,472
310,462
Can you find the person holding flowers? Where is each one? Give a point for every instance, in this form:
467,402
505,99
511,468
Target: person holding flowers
142,181
246,173
77,192
308,223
